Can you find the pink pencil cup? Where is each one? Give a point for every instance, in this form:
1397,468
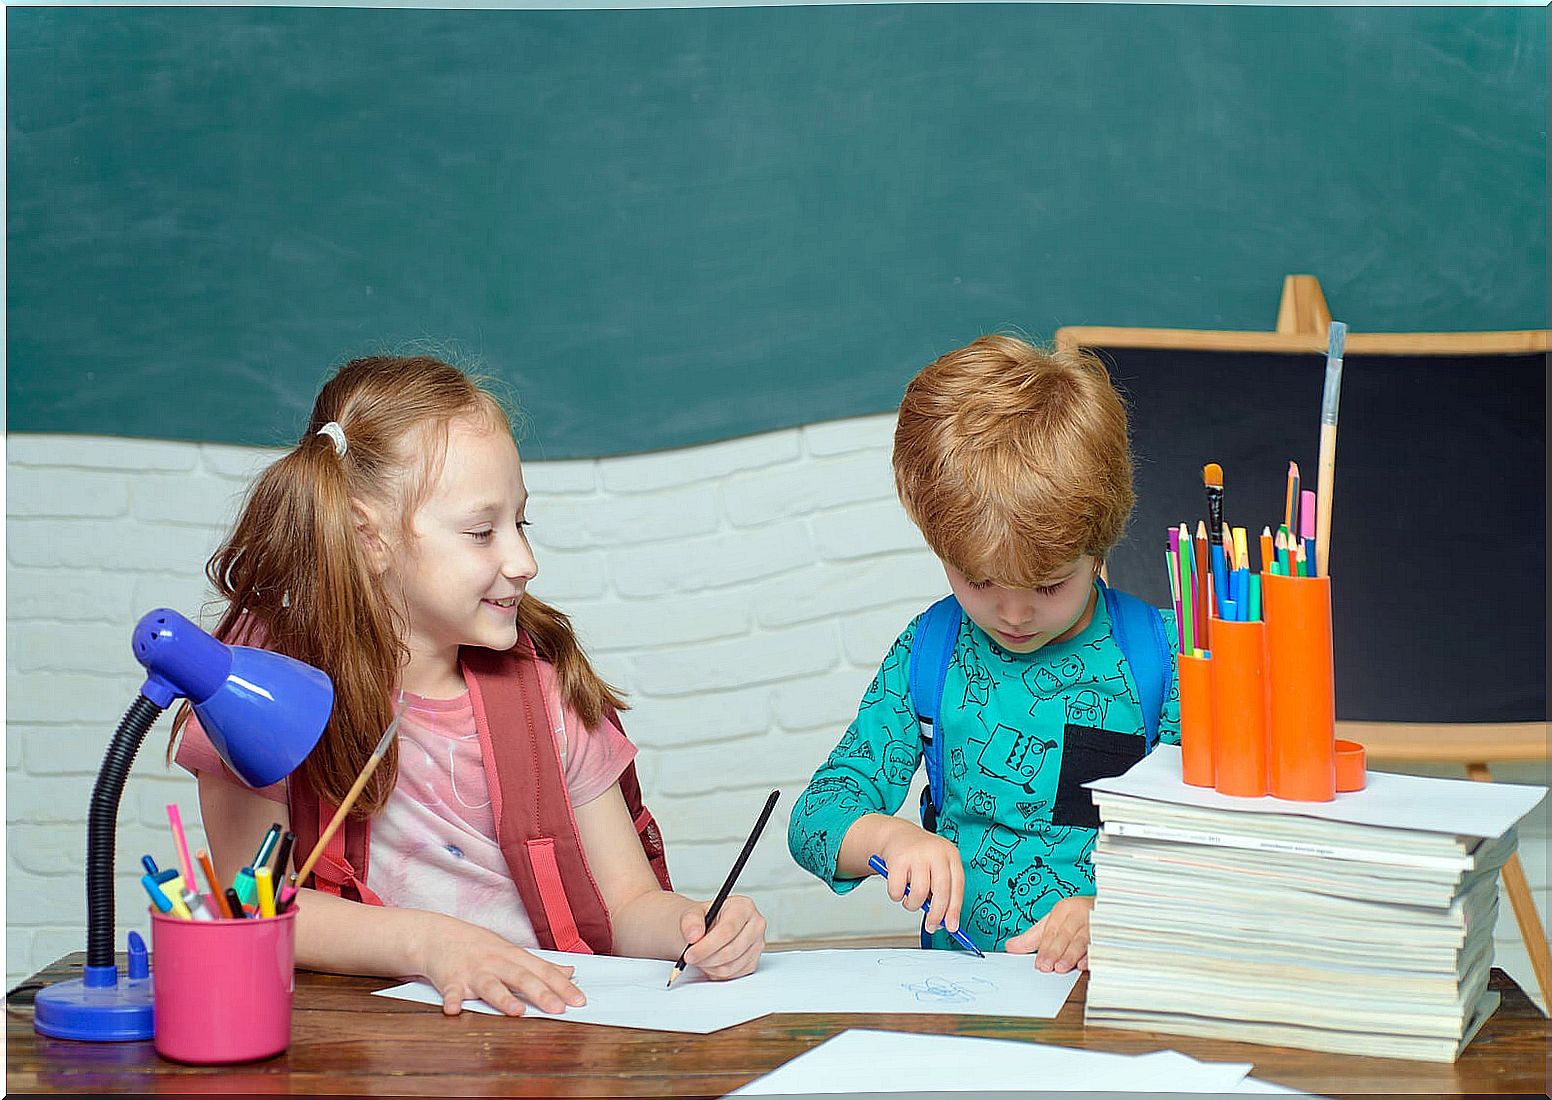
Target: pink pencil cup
223,987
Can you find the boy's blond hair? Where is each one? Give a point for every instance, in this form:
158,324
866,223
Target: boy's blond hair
1013,460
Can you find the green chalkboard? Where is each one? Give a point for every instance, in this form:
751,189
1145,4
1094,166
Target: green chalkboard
671,226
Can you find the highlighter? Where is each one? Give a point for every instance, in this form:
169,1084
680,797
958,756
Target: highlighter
244,885
173,889
265,885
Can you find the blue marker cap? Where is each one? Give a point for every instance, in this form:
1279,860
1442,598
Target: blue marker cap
162,902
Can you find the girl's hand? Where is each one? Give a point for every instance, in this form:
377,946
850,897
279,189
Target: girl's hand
732,948
930,866
1061,937
465,961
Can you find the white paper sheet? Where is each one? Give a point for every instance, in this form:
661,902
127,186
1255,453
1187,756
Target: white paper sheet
1454,806
632,993
866,1061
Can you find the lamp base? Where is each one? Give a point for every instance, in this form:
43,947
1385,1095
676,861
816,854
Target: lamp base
98,1008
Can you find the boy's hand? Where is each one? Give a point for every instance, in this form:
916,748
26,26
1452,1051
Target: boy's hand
465,961
930,866
1060,938
732,947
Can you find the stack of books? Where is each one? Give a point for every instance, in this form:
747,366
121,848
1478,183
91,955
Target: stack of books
1360,926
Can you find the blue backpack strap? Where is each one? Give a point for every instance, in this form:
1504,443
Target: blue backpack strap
932,647
1139,631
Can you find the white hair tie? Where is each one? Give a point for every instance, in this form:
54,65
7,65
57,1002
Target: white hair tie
337,434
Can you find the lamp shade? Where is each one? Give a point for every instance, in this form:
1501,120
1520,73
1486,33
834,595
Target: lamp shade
262,711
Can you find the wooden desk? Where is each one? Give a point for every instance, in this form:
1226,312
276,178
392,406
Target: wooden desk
345,1042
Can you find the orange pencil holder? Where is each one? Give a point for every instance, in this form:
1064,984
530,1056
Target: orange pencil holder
1196,720
1239,708
1301,688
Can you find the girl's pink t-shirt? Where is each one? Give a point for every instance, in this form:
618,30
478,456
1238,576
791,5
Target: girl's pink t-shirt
434,843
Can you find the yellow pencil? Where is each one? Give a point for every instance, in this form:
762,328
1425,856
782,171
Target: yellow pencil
1241,549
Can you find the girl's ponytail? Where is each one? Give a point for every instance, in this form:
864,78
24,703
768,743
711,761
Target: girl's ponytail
296,579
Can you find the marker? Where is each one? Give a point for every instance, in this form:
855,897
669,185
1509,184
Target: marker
234,903
172,889
149,864
267,845
959,936
245,885
286,899
264,883
283,855
1307,523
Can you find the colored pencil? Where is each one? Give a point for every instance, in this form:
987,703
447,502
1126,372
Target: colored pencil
217,893
1266,549
1187,592
1203,582
1291,504
727,883
175,819
1172,565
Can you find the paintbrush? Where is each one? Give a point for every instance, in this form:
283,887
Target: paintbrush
1330,399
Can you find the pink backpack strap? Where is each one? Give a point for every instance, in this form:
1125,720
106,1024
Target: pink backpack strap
535,826
342,868
334,872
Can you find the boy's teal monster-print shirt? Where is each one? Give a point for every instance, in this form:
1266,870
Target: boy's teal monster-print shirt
1024,732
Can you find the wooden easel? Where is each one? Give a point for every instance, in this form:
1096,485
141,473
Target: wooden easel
1303,321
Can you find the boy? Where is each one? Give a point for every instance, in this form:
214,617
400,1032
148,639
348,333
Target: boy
1013,463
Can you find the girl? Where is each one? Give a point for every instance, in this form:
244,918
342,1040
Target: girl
388,549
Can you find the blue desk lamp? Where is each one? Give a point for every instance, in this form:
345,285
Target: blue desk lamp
263,713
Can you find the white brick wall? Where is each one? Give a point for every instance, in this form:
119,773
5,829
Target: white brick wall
742,592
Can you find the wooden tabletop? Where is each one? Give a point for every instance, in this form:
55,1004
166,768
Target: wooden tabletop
344,1042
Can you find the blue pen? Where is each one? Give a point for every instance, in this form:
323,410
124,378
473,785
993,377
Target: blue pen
960,938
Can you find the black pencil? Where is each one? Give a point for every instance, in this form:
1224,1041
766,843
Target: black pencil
743,857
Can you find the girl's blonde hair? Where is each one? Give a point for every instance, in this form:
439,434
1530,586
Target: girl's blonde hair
1013,460
294,572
